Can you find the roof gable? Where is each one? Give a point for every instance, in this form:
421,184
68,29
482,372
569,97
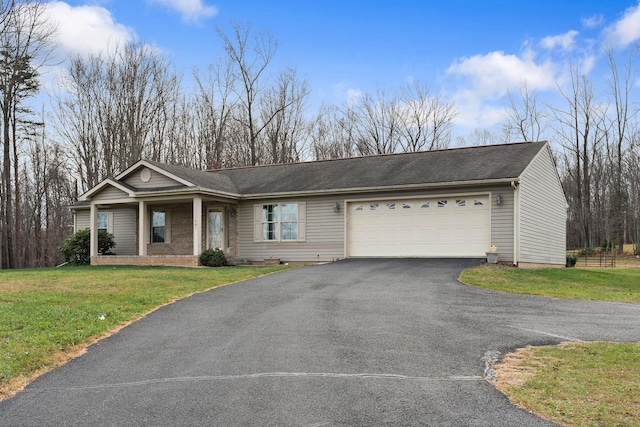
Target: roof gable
114,188
150,175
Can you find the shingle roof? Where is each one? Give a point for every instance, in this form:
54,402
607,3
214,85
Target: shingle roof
467,164
200,178
494,162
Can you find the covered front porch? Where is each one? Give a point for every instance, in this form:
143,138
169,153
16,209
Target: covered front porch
172,231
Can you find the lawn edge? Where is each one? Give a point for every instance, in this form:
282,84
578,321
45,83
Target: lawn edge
10,388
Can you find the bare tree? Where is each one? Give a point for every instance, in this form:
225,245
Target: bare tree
250,55
580,130
632,171
620,85
213,111
114,110
376,122
479,137
25,46
427,120
283,107
524,117
331,136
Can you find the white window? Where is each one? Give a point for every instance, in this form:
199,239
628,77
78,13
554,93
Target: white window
406,206
158,226
425,205
279,222
478,203
442,203
105,222
289,222
391,206
461,203
374,206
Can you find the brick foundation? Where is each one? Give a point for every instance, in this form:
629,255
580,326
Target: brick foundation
164,260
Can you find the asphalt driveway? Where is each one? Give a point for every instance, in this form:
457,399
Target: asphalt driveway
357,342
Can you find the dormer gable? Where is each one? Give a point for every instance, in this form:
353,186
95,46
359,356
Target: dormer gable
108,189
147,176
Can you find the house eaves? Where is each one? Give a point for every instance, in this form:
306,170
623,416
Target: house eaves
187,192
402,187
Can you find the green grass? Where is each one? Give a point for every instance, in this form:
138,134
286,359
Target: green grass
48,315
604,284
575,384
579,384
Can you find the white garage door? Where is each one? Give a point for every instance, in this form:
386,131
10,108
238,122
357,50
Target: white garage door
431,227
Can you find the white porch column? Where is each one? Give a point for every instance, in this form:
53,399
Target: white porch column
143,228
197,226
93,228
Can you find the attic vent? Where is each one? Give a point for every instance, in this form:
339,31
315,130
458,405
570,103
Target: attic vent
145,175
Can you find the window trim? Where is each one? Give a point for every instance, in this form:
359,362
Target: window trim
167,226
258,223
109,228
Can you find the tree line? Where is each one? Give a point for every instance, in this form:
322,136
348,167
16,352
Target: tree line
112,109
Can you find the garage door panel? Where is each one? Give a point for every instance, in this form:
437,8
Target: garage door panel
445,226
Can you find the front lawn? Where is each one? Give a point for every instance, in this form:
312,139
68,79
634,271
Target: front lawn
49,315
576,384
604,284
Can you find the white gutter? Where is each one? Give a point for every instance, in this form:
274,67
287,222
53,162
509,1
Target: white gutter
237,197
477,183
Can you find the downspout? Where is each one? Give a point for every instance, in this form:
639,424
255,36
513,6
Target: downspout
516,223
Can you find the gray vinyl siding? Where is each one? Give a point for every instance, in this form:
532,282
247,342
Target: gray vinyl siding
502,223
124,228
157,180
324,233
325,228
124,231
111,193
83,219
542,213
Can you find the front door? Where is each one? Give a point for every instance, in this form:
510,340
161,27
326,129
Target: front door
215,229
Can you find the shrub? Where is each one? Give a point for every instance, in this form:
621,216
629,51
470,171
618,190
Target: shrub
571,260
586,252
213,258
608,245
76,249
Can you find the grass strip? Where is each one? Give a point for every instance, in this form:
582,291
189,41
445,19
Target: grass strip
50,315
603,284
576,384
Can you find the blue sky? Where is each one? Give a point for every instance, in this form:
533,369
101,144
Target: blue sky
468,51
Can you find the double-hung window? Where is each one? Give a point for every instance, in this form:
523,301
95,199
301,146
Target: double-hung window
158,226
279,222
103,222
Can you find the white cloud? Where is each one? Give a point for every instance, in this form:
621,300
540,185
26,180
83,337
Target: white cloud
353,96
190,10
564,41
626,30
483,81
593,21
86,29
496,73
